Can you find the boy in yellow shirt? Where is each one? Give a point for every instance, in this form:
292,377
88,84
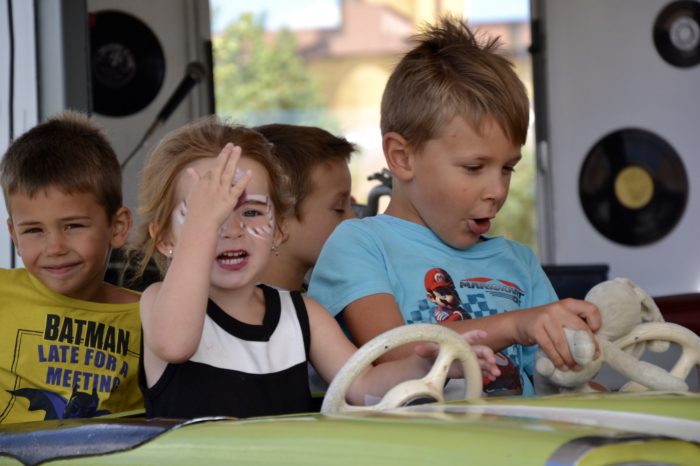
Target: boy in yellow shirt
70,342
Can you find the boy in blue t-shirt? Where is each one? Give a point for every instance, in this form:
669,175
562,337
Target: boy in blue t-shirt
454,117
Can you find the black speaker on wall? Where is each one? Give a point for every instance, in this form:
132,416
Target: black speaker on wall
618,137
150,72
142,57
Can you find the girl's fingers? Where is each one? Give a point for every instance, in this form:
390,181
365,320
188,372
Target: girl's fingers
487,362
426,350
473,336
240,185
228,171
224,155
222,162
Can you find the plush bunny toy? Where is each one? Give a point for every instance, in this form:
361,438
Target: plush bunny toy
631,323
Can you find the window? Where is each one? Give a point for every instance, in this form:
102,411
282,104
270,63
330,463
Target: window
325,63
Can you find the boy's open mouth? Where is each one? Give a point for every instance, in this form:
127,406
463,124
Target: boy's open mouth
480,225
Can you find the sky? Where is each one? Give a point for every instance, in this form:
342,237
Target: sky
304,14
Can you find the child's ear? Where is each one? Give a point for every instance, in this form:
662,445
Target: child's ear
121,227
281,232
398,155
165,246
13,235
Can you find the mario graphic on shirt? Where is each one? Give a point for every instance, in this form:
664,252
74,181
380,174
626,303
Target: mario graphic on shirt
442,292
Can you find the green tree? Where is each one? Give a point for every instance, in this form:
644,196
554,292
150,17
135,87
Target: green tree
517,220
259,79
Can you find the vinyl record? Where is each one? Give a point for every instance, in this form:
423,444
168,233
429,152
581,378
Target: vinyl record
127,63
677,33
633,187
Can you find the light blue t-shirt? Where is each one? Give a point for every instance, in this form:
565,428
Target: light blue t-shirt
430,280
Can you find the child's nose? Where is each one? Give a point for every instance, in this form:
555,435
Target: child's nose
497,190
55,244
232,227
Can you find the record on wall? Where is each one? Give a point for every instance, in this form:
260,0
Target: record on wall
127,63
677,33
633,187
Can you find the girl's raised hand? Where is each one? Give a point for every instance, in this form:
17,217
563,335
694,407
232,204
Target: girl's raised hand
214,194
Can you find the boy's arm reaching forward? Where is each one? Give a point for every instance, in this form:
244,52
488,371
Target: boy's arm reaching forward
364,275
330,349
542,325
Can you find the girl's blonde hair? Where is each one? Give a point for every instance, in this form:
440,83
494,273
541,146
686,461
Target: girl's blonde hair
200,139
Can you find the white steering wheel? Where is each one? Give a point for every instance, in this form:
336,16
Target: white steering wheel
643,375
451,347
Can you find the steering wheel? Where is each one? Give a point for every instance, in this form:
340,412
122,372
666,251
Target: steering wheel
451,347
663,380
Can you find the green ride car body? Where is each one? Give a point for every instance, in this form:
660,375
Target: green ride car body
582,429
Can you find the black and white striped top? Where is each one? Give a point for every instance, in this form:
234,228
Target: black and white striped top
239,369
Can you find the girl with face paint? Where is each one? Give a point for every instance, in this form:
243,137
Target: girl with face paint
216,342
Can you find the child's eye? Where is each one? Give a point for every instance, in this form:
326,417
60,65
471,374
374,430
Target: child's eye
251,213
339,209
33,230
509,169
472,168
73,226
342,205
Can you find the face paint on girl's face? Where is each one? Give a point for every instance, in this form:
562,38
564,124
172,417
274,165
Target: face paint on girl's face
181,212
254,214
259,219
237,176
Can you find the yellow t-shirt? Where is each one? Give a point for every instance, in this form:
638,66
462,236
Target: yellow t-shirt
62,357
